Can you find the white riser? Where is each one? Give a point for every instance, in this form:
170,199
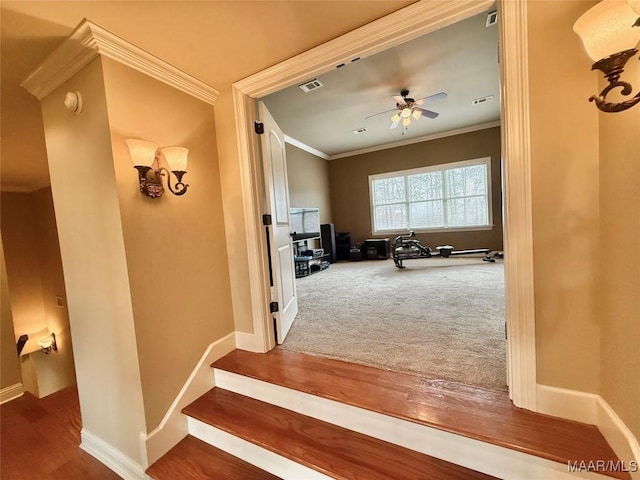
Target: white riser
249,452
487,458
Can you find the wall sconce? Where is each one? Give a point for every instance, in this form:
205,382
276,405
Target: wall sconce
146,159
610,32
48,343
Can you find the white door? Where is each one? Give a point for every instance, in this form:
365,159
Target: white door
283,289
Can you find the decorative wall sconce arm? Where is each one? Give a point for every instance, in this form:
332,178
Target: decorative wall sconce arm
146,160
610,32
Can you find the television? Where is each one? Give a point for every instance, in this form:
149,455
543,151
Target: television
304,223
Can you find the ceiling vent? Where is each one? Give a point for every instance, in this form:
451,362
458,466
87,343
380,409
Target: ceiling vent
310,85
486,99
492,18
359,130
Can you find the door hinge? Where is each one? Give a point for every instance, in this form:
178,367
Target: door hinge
273,307
258,127
266,219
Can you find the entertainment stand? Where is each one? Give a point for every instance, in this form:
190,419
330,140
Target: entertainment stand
305,263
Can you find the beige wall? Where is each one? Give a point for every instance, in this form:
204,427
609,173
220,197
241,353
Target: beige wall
92,246
564,162
308,177
36,279
350,185
9,362
619,285
175,245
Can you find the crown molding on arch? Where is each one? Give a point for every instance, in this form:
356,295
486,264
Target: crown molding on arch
406,24
88,41
398,27
305,147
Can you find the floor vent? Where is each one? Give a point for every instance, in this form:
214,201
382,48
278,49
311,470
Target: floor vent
310,85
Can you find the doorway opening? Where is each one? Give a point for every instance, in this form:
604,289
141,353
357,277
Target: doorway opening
410,23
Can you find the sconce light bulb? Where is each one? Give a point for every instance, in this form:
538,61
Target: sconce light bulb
142,153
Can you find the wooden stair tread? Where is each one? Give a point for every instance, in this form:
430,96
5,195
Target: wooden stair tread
193,459
477,413
329,449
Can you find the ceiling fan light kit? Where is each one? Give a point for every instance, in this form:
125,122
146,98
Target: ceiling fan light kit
407,107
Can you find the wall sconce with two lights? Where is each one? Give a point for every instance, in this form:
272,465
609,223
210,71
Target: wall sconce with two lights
146,158
610,32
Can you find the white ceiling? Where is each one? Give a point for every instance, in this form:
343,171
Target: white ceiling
461,60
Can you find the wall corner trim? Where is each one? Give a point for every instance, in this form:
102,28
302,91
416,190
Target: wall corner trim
592,409
88,41
11,392
173,426
113,458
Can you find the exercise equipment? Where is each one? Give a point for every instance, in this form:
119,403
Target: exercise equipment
406,247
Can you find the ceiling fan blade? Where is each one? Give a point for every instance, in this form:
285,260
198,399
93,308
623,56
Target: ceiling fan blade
399,100
432,98
427,113
395,124
380,113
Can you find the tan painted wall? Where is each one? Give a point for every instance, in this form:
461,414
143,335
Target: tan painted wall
175,245
92,246
9,362
564,158
620,259
350,185
23,269
308,177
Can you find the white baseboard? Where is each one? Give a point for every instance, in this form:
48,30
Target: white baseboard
249,342
474,454
173,426
11,393
594,410
621,439
569,404
113,458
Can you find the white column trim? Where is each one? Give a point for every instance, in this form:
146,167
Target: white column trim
406,24
518,229
88,41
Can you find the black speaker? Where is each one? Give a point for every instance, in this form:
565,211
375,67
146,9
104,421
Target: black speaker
328,236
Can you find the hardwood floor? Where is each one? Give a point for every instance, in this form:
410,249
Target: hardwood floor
40,438
337,452
481,414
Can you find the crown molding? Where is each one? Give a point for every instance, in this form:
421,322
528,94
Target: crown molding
88,41
424,138
305,147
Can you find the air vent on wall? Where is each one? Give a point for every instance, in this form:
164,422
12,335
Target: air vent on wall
492,18
310,85
486,99
359,130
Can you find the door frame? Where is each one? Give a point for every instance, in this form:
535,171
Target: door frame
407,24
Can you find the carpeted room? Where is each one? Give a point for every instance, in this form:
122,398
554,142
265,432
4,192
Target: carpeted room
440,318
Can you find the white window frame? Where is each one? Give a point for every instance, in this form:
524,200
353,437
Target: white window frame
433,168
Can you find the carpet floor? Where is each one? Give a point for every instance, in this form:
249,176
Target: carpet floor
440,318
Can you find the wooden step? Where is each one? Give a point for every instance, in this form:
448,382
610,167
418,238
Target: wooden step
334,451
474,413
193,459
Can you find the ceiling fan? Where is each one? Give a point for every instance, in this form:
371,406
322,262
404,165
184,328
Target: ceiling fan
407,107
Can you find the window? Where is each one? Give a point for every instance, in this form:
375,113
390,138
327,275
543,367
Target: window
448,196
